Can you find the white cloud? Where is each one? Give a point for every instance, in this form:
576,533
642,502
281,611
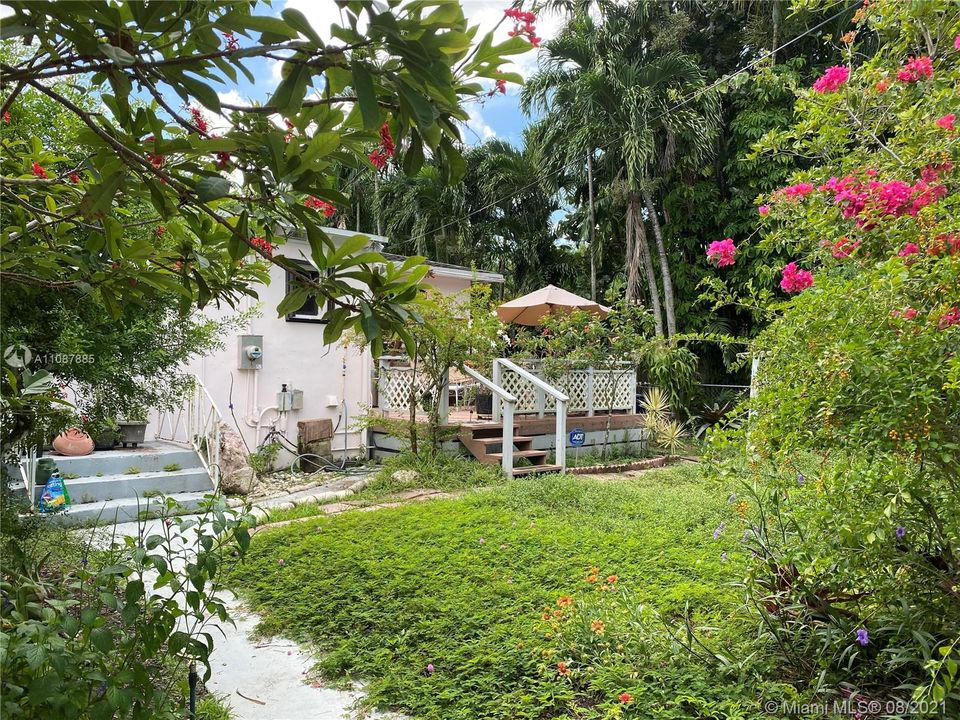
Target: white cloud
477,128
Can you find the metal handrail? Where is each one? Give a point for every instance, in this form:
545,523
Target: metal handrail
560,446
509,402
199,418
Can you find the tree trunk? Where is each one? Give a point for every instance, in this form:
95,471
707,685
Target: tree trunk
640,255
593,225
414,399
664,267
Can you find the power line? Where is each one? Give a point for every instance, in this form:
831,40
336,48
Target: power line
680,104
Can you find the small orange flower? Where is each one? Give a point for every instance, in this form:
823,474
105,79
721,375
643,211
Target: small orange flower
612,579
598,626
625,698
563,669
849,37
604,587
545,616
591,578
564,601
742,508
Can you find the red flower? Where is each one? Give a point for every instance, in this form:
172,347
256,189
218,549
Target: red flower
881,86
316,203
74,178
160,231
625,698
223,159
947,121
832,80
386,140
378,159
231,41
795,280
263,246
6,116
38,171
563,668
290,125
198,120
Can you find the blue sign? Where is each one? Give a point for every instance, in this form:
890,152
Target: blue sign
577,437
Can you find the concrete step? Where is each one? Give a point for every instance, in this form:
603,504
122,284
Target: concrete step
123,509
535,469
110,487
150,457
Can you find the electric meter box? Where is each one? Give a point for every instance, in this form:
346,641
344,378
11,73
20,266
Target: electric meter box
251,352
291,399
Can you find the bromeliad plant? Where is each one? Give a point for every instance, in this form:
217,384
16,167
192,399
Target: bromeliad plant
852,474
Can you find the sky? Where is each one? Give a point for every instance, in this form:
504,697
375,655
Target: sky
495,117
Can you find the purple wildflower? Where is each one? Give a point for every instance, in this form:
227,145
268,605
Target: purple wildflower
716,533
801,478
863,637
482,541
430,669
723,556
733,496
901,531
282,562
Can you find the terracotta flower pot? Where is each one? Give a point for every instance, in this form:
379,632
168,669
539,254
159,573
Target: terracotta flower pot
73,442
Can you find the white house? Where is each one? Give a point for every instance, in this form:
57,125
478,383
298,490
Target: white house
270,352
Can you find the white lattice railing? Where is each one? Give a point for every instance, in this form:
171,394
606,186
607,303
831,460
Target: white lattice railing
396,375
196,423
590,390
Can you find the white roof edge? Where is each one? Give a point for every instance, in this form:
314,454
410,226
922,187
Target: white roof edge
467,274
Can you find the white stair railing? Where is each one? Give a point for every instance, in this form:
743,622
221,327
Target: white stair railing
560,452
509,402
196,423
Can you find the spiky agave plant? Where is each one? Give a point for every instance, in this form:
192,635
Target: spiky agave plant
656,407
671,435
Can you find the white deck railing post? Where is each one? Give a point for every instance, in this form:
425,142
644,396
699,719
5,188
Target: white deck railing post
498,381
507,448
560,453
591,392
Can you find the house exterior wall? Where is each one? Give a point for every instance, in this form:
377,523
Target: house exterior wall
336,380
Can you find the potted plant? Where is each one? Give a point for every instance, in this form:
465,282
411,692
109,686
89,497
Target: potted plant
106,435
133,428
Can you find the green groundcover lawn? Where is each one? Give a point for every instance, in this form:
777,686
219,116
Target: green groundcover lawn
501,604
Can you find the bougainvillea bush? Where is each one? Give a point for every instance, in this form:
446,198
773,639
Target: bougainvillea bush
852,472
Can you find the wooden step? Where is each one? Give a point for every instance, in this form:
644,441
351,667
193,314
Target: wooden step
531,455
535,469
517,440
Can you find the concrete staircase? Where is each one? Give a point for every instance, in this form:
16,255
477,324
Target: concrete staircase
121,484
485,443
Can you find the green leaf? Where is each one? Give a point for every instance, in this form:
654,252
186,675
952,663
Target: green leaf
321,145
211,188
99,198
102,639
289,94
298,22
118,55
366,95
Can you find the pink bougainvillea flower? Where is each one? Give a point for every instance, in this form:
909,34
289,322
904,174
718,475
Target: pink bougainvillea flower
722,252
843,247
956,43
38,171
832,80
909,249
910,313
764,210
947,121
916,69
794,279
795,192
950,318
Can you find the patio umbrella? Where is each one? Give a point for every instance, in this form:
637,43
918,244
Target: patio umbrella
530,309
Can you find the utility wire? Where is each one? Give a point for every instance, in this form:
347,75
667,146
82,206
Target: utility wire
680,104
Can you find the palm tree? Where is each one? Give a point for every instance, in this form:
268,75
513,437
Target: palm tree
604,86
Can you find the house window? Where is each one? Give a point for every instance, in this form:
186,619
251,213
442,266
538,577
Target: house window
309,312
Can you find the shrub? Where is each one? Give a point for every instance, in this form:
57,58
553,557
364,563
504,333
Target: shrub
851,484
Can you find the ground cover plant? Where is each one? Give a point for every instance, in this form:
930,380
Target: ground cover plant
551,597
